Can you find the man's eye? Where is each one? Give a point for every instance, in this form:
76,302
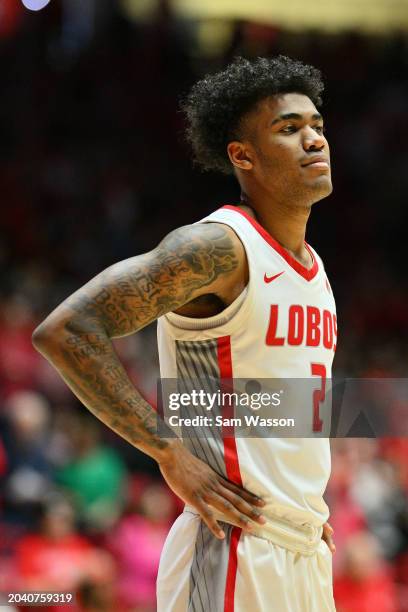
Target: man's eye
320,129
289,129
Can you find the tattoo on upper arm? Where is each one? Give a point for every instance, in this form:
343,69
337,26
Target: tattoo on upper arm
123,299
131,294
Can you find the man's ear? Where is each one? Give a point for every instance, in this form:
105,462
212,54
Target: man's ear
241,155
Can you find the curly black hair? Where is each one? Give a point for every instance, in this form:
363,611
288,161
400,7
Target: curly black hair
216,105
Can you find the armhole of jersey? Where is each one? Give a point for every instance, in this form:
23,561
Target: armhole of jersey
229,313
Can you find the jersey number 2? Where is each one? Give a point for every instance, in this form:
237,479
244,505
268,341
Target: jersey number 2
319,395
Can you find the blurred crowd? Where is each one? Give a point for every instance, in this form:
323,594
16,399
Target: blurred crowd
94,169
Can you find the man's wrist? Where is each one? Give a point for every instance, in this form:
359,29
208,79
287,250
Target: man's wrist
167,452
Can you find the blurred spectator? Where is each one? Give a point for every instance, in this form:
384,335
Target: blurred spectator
96,476
365,581
19,361
376,488
137,541
56,557
29,471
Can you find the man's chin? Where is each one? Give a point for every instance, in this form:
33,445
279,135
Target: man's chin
322,188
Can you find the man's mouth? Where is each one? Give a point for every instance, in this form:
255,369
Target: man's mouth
317,161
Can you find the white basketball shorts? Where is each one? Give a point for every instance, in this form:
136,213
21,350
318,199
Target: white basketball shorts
243,572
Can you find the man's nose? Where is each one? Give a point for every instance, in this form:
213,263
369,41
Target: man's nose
313,140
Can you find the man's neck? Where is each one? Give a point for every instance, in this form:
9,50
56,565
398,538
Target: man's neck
287,225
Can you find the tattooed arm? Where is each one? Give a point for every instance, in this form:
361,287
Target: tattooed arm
76,338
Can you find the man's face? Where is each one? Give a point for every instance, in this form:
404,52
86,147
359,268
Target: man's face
290,156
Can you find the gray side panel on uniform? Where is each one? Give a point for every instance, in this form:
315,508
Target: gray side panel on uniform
197,366
208,574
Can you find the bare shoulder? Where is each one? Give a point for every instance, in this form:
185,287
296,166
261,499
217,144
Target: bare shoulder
213,247
214,251
210,233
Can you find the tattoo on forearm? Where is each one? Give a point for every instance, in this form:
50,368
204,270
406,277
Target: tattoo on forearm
107,391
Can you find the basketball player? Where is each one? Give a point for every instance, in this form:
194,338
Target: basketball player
241,295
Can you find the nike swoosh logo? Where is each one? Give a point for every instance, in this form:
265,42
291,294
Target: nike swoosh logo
269,279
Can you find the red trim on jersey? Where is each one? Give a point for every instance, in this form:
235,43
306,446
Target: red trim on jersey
232,571
308,274
230,447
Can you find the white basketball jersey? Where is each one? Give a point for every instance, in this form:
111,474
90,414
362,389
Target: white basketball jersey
283,326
